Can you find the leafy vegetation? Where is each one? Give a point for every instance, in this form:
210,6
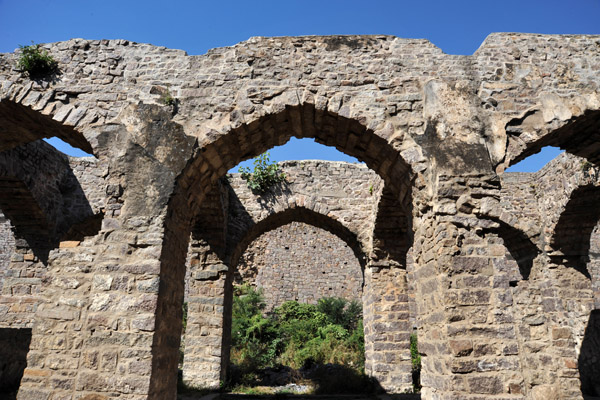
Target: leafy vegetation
36,61
167,98
264,175
415,358
300,336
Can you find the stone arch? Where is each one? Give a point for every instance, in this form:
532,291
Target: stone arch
340,191
349,136
561,218
569,123
62,209
213,160
21,124
277,220
299,214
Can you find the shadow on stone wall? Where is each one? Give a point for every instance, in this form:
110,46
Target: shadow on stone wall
575,226
589,357
43,198
14,346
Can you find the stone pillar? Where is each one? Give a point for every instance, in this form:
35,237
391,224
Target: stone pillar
387,328
110,322
465,317
94,332
206,347
466,333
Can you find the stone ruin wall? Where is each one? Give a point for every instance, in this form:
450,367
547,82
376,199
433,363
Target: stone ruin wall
76,192
72,188
536,201
437,128
303,263
522,193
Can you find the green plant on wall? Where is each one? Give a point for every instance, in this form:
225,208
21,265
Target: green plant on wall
415,358
167,98
264,175
586,165
36,61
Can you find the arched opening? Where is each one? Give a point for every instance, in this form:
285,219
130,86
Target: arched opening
278,260
556,208
537,161
305,258
20,125
212,162
576,135
43,202
66,148
299,214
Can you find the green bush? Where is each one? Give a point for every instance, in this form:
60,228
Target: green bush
294,334
265,174
35,61
340,311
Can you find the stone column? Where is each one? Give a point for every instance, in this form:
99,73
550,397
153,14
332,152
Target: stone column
93,332
387,328
206,349
466,334
110,323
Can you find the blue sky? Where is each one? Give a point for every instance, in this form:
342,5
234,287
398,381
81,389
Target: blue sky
457,27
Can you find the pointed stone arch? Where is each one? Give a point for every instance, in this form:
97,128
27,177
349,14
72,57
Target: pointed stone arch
212,160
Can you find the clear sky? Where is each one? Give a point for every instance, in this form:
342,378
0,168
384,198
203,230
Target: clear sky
457,27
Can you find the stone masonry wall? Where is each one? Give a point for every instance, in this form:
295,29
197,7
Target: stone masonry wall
301,262
7,246
344,192
438,129
74,189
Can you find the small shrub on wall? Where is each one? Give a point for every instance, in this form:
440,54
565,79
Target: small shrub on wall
36,61
264,175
